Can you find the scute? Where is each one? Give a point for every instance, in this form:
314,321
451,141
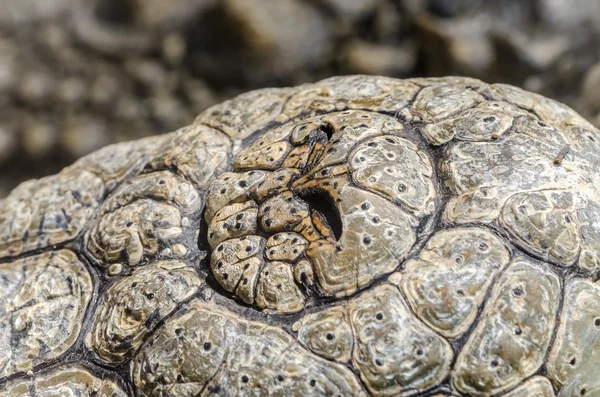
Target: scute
52,210
353,92
196,152
448,283
65,381
327,333
247,113
395,168
574,359
134,306
209,349
395,353
43,301
512,337
146,217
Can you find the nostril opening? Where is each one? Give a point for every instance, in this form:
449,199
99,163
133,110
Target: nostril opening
328,130
323,204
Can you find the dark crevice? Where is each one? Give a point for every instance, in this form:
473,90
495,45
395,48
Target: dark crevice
323,204
328,129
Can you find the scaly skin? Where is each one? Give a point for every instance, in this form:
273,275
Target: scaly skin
360,236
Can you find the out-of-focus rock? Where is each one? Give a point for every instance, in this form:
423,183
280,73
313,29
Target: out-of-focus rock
112,70
591,87
369,58
257,42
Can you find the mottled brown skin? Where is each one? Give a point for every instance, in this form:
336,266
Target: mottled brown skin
360,236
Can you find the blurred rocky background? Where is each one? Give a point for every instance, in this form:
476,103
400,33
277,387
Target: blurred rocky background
78,74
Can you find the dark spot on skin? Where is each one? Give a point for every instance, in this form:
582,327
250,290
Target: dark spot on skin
278,286
242,183
517,292
367,240
419,352
239,217
245,281
267,208
460,292
379,362
179,378
179,331
583,391
401,188
330,336
225,276
245,379
372,144
293,211
280,378
268,222
489,119
161,182
223,191
207,346
597,322
129,224
276,237
246,266
365,206
313,382
295,240
212,234
133,285
573,361
219,264
483,246
376,220
494,363
248,248
518,331
379,316
220,248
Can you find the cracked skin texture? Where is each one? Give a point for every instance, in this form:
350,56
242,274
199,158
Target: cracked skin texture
359,236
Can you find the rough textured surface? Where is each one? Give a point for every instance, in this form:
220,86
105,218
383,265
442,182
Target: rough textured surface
44,301
361,236
67,381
